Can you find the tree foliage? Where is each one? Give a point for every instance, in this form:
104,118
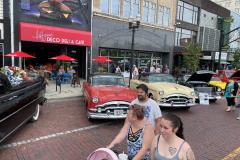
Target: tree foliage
191,56
236,57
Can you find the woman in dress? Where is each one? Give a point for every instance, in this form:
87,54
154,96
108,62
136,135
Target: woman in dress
170,143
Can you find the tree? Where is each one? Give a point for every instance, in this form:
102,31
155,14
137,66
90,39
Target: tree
236,57
191,56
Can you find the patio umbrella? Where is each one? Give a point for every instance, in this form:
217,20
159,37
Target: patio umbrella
102,59
19,54
63,58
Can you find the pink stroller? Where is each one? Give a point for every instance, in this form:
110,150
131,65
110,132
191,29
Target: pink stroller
102,154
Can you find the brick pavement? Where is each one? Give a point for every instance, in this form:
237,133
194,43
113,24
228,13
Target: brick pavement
211,132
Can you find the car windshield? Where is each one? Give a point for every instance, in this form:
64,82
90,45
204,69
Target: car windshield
186,77
108,80
229,73
215,78
161,78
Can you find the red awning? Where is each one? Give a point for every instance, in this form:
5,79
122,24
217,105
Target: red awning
49,34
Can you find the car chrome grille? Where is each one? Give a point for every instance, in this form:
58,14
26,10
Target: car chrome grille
177,99
109,107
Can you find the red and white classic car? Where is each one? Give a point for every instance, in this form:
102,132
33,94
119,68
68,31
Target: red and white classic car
106,96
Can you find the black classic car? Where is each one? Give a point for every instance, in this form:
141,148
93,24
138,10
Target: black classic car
200,82
19,104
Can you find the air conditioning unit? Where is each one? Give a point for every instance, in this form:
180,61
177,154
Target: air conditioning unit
208,39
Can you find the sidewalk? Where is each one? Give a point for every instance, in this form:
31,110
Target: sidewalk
67,90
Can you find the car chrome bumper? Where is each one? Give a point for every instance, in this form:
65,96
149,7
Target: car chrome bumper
176,105
105,116
211,97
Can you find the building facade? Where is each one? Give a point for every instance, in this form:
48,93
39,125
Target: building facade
212,18
187,24
233,5
198,21
154,39
46,29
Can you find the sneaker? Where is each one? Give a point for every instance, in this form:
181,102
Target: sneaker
238,118
228,109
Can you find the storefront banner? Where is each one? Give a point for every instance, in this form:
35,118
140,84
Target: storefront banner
56,35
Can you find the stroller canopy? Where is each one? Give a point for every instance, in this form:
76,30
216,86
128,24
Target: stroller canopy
102,154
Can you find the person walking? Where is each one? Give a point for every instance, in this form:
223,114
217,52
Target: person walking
139,135
118,70
152,110
230,94
170,143
135,72
152,113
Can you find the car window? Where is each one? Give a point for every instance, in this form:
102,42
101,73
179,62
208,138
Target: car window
186,77
143,78
215,79
221,74
108,80
229,73
161,78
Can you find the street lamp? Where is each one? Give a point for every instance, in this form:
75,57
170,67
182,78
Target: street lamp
133,25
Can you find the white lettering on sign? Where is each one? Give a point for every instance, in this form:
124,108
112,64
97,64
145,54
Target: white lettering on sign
41,36
49,37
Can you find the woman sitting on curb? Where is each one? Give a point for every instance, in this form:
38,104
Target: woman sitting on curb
139,135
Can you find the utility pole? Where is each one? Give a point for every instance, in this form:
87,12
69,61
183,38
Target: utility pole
133,25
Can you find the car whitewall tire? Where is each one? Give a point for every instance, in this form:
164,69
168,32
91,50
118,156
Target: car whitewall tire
36,113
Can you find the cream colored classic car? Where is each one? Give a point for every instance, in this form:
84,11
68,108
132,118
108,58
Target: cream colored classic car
165,91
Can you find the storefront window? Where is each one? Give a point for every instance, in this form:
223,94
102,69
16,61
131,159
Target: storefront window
122,58
113,53
103,52
135,8
121,53
116,7
164,16
126,9
104,6
187,12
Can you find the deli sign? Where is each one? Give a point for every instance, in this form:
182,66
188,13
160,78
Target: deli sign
56,35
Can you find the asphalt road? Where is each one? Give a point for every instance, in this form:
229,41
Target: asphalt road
63,132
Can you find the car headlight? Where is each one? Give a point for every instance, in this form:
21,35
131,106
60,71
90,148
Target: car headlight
193,93
95,99
161,92
196,93
219,89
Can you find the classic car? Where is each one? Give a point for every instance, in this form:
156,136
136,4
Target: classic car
225,74
19,104
200,82
216,81
165,91
106,96
236,76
